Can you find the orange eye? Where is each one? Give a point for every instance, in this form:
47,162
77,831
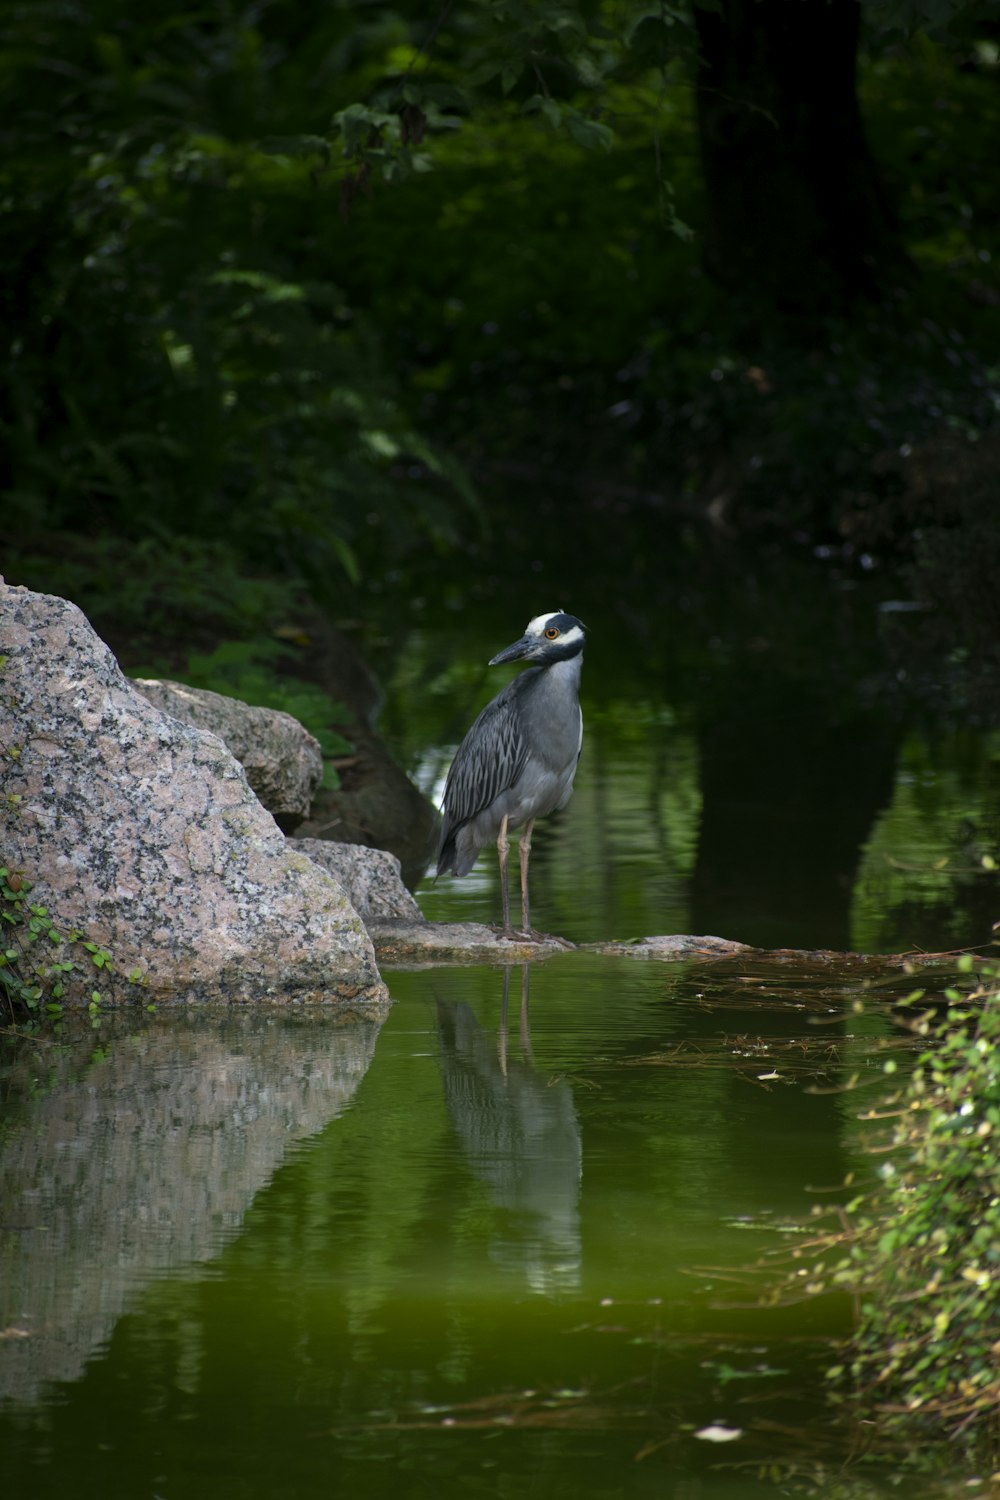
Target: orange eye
551,633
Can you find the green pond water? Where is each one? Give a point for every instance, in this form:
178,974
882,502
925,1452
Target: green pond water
499,1245
260,1257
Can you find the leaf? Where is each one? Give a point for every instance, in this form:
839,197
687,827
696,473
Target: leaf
677,226
485,72
543,105
589,133
446,96
346,557
357,122
509,75
295,146
112,54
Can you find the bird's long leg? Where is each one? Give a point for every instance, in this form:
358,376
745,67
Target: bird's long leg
524,855
502,848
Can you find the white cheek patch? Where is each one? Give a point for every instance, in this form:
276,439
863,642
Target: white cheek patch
571,636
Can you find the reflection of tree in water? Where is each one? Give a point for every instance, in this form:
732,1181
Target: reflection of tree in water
521,1137
789,797
922,881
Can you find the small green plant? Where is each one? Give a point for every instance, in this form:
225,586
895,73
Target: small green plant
36,958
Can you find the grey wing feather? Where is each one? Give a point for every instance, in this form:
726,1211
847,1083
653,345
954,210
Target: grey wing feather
489,761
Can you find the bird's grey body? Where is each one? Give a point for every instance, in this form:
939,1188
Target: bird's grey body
518,760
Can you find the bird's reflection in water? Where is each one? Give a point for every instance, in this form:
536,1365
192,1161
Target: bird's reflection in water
521,1137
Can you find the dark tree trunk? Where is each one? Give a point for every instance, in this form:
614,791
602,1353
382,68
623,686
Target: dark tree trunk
796,213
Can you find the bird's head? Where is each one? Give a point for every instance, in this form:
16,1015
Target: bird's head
547,639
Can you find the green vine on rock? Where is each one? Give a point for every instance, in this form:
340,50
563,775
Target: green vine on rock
36,958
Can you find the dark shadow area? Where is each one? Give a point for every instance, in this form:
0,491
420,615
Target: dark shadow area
788,801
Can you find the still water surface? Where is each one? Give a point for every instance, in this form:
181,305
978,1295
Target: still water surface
268,1257
487,1248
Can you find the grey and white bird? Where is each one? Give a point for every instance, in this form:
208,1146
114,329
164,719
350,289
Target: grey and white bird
518,760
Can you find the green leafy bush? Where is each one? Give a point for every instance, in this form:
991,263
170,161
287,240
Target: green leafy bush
146,595
920,1251
179,358
927,1347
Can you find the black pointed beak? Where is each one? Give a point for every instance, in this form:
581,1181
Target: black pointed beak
515,652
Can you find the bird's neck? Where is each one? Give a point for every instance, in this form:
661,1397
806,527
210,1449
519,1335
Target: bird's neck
566,673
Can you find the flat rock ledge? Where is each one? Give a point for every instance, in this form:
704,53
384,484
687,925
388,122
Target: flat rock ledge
406,944
672,947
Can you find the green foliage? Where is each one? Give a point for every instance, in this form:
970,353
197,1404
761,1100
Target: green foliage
229,340
559,62
140,594
553,294
36,959
926,1345
921,1251
179,357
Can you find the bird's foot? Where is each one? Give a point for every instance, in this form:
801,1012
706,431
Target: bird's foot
548,937
531,935
511,934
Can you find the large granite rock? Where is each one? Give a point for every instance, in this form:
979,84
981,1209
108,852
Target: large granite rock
144,832
370,878
283,761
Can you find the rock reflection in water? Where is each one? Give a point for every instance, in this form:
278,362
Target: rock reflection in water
520,1135
145,1161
